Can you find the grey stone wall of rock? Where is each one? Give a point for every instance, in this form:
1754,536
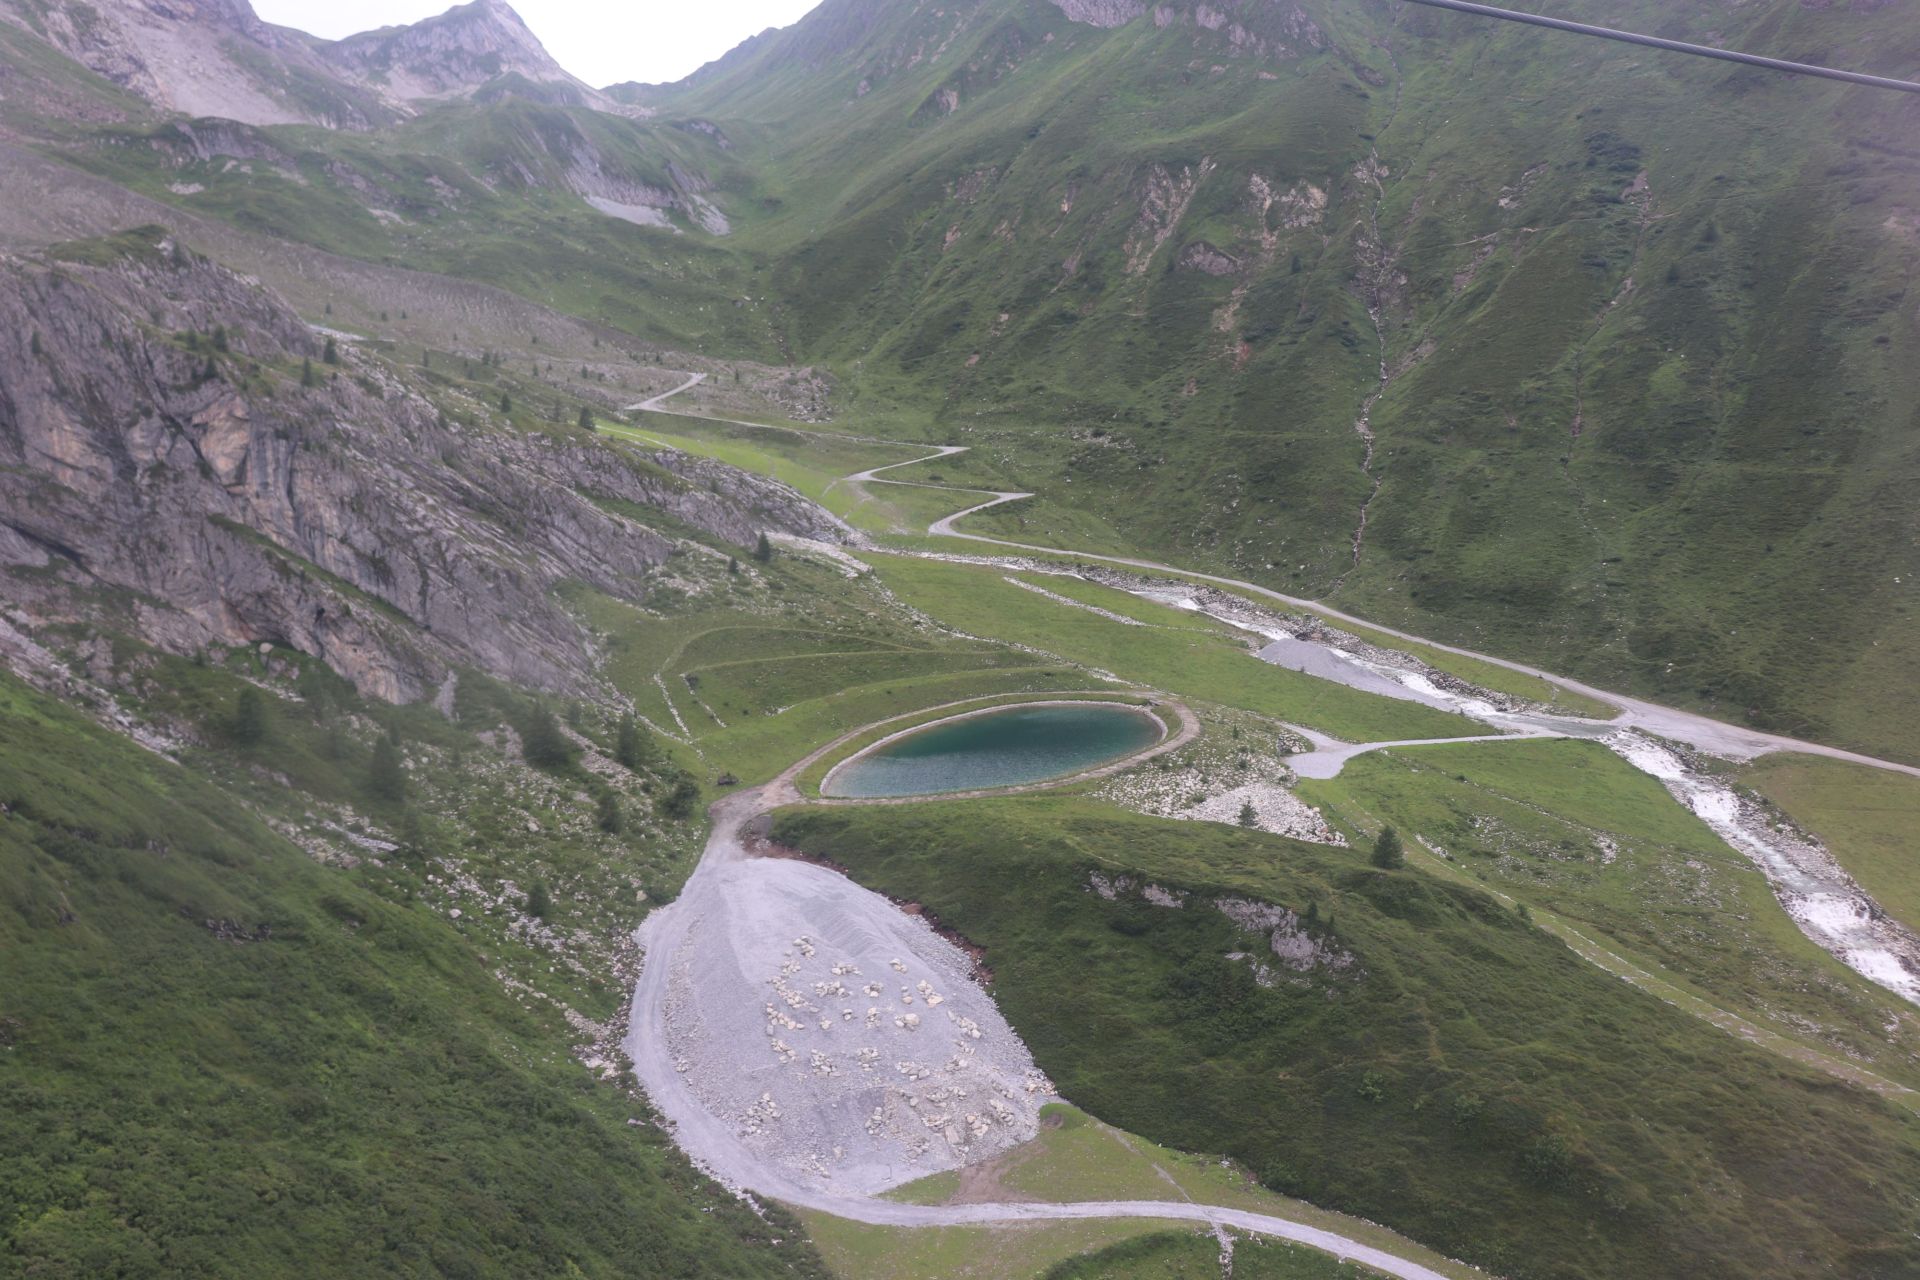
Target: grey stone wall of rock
195,496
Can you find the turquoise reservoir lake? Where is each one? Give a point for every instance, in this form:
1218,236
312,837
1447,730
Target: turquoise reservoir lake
1007,748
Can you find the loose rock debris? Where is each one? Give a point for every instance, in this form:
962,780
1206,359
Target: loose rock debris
839,1080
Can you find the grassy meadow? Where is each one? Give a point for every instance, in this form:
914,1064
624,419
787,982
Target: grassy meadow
1212,665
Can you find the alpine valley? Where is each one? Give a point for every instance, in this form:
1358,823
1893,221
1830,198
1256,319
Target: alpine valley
1431,500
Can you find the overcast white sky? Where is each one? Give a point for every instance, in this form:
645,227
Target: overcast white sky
601,41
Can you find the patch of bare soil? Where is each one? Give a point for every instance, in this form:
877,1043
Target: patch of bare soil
985,1183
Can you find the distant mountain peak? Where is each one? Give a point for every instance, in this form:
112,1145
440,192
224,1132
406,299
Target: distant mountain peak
217,58
450,54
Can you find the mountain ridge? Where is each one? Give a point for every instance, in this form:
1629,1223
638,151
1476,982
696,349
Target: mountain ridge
218,58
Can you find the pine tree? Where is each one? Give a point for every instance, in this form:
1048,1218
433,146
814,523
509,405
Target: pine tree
1313,913
633,747
306,373
763,550
412,833
506,403
586,418
1387,853
539,901
330,354
249,723
609,818
34,345
220,337
1248,818
678,803
543,745
386,774
733,565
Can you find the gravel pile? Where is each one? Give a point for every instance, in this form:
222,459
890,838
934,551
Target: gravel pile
843,1040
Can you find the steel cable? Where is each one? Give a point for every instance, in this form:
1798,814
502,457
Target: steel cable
1676,46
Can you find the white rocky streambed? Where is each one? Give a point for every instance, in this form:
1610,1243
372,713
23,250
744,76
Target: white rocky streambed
1823,900
1821,897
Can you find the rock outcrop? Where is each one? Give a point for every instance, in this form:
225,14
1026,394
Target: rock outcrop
1296,945
216,58
1101,13
163,471
203,58
468,46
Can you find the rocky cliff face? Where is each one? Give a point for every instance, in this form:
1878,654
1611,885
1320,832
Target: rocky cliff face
217,58
163,471
202,58
1102,13
1262,29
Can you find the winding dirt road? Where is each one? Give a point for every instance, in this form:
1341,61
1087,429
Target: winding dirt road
1716,737
653,405
1703,732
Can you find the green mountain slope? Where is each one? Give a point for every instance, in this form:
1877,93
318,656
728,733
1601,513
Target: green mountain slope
219,1057
1627,328
1393,1046
498,187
